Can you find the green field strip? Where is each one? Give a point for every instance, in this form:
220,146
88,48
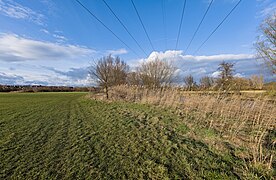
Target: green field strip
67,136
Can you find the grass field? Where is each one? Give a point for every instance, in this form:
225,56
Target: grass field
67,136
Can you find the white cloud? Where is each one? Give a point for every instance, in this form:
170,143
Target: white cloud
238,75
10,79
117,52
178,56
57,35
170,54
59,78
60,38
198,66
74,74
16,48
220,57
215,74
45,31
15,10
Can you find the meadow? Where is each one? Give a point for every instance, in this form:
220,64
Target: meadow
70,136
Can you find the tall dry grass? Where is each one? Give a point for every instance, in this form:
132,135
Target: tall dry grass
248,123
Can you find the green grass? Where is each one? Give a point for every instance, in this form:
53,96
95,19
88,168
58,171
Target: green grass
67,136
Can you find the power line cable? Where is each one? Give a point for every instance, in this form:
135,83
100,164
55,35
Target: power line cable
94,16
124,26
199,25
217,27
181,21
142,24
164,23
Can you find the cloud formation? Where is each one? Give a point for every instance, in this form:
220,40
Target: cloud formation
198,66
10,79
15,10
178,55
117,52
15,48
60,78
60,38
72,73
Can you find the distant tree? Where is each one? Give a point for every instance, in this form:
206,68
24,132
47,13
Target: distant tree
266,43
156,73
206,82
257,82
108,72
133,78
240,83
189,82
226,75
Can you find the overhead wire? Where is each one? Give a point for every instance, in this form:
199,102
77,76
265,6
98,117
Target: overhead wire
101,22
163,11
111,10
164,23
199,25
217,27
180,26
142,25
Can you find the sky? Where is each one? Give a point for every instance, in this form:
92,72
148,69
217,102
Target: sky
51,42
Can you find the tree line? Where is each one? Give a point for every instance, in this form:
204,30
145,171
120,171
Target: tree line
112,71
39,88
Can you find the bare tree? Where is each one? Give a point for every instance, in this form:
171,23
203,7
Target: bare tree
109,71
119,71
207,82
156,73
226,75
257,81
189,82
266,43
133,78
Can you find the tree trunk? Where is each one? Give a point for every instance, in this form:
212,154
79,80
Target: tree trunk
106,92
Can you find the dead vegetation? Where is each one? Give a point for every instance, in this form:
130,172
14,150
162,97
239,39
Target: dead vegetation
248,124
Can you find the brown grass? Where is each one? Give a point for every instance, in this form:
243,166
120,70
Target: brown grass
245,123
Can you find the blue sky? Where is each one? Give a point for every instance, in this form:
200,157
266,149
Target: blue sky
53,42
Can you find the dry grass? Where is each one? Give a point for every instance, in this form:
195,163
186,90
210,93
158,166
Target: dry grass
246,123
